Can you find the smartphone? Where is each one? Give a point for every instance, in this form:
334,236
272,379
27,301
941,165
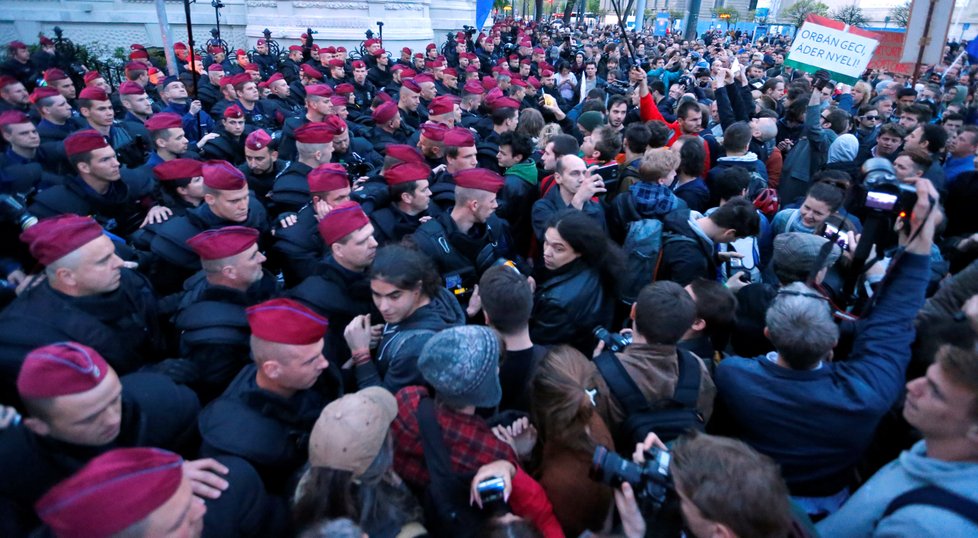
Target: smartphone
735,66
609,174
842,239
491,492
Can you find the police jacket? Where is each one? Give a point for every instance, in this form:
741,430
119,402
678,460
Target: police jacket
291,188
391,224
462,257
299,248
225,147
261,184
117,210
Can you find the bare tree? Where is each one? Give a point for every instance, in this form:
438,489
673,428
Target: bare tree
851,15
901,14
798,11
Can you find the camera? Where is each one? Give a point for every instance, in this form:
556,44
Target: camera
356,166
491,493
613,342
884,192
832,233
650,480
13,208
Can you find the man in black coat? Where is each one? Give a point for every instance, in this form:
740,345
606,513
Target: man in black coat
87,296
314,147
410,202
18,64
78,408
262,165
229,145
267,413
316,99
387,127
211,315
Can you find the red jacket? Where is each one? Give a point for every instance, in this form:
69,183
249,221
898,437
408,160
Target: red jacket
648,111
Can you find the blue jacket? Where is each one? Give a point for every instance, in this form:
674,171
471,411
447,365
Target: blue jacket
955,165
817,423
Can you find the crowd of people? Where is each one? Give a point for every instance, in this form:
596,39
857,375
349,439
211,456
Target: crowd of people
538,281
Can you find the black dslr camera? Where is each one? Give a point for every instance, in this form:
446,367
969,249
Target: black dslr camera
613,342
651,480
884,192
356,166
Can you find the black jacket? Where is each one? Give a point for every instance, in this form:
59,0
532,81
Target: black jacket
462,257
298,248
117,210
568,305
686,255
290,192
225,147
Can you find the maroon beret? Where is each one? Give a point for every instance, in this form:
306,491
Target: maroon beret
406,172
54,74
179,46
319,90
404,153
60,370
175,169
346,88
139,54
84,140
131,88
311,72
505,102
215,49
339,100
295,48
257,140
519,83
410,84
442,104
384,97
90,76
406,50
13,117
221,243
370,42
286,322
53,238
473,86
251,67
215,67
111,493
335,124
424,77
451,72
240,52
223,176
328,50
93,94
418,55
14,45
546,73
163,120
358,64
525,61
7,80
275,78
314,133
532,81
341,221
471,69
489,83
479,178
538,50
336,62
459,137
240,79
233,112
328,177
225,80
136,66
340,49
43,92
434,131
385,112
431,46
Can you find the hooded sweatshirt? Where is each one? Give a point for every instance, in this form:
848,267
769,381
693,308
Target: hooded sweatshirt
860,516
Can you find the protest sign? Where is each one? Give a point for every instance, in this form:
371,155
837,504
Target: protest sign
834,46
887,56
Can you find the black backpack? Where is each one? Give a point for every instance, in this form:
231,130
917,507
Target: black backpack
446,499
935,496
669,417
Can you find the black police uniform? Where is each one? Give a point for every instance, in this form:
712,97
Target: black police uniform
291,189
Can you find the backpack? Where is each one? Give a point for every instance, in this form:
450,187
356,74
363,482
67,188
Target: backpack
935,496
644,245
446,499
668,417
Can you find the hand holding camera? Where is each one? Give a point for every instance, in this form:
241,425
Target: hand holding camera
492,485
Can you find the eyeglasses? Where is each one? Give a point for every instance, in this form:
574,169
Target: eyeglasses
825,119
871,118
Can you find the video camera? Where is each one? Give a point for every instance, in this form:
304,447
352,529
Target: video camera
884,192
13,207
651,480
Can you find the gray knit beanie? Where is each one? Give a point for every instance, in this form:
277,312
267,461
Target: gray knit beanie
462,363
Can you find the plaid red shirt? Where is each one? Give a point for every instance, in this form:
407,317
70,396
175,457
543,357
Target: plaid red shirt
468,439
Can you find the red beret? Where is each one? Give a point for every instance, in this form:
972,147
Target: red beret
431,46
339,100
93,94
45,41
406,172
90,76
407,73
223,176
286,322
473,87
424,77
311,72
442,104
136,66
215,49
328,177
139,54
370,42
335,124
251,67
525,61
84,140
54,74
111,493
538,50
385,112
358,64
215,67
163,120
546,73
411,85
329,50
519,83
233,111
175,169
345,88
51,239
406,50
240,79
471,69
489,83
295,48
319,90
225,80
59,370
261,42
532,81
505,102
221,243
13,117
514,56
131,88
479,178
341,221
459,137
434,131
43,92
451,71
418,55
314,133
17,45
263,85
404,153
179,46
378,52
257,140
340,49
240,52
336,62
275,78
384,97
137,46
7,80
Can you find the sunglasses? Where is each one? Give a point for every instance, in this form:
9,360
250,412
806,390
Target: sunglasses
871,118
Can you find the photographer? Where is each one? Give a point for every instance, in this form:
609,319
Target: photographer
827,411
